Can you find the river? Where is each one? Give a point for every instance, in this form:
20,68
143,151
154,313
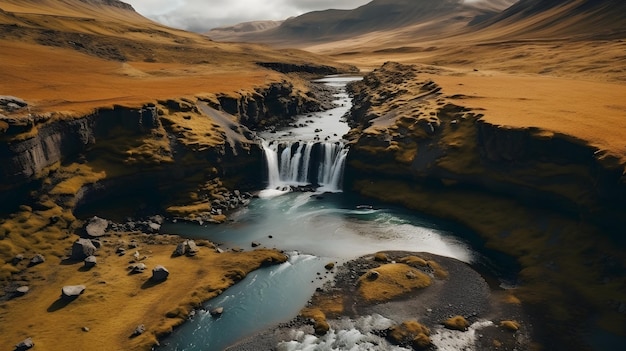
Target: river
314,228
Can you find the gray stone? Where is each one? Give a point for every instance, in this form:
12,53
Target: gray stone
192,248
180,250
188,247
17,259
25,344
96,227
22,290
255,244
159,273
155,227
90,261
5,100
138,268
216,312
139,330
72,291
82,248
37,259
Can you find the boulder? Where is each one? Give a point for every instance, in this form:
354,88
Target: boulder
96,227
188,247
22,290
159,273
216,312
180,250
139,330
25,344
72,291
255,244
90,261
192,248
138,268
154,227
37,259
81,249
17,259
8,99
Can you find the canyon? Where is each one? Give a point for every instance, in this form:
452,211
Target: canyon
511,125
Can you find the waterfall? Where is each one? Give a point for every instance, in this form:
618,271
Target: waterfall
305,163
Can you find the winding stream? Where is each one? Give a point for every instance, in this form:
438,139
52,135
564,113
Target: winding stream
313,227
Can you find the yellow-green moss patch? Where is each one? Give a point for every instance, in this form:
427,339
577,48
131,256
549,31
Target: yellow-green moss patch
456,323
390,281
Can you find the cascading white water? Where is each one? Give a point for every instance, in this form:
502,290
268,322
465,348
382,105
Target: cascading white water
303,163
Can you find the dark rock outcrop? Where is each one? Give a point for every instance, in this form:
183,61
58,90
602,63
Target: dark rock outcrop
418,146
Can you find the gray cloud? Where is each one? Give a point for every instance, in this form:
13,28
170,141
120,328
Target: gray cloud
202,15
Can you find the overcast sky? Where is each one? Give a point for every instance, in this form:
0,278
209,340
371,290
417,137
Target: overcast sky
202,15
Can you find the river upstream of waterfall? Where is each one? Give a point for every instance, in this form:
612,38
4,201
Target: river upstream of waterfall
313,227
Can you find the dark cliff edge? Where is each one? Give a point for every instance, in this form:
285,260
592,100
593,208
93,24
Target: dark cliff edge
168,146
551,201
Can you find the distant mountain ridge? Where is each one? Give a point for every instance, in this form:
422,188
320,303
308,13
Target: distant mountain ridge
377,15
408,20
562,18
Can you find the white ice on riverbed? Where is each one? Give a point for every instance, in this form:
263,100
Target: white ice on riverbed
344,335
358,335
453,340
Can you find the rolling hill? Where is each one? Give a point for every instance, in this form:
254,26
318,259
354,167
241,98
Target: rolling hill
415,18
75,55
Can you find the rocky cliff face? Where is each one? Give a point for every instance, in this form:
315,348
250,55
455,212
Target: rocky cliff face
417,133
167,144
548,200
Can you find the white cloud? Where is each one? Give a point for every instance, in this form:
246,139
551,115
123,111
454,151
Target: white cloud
201,15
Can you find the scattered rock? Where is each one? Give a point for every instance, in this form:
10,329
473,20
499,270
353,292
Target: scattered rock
72,291
180,249
37,259
22,290
85,329
159,273
255,244
96,227
81,249
90,261
154,227
25,344
120,251
139,330
138,268
219,250
216,312
329,266
17,259
188,247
